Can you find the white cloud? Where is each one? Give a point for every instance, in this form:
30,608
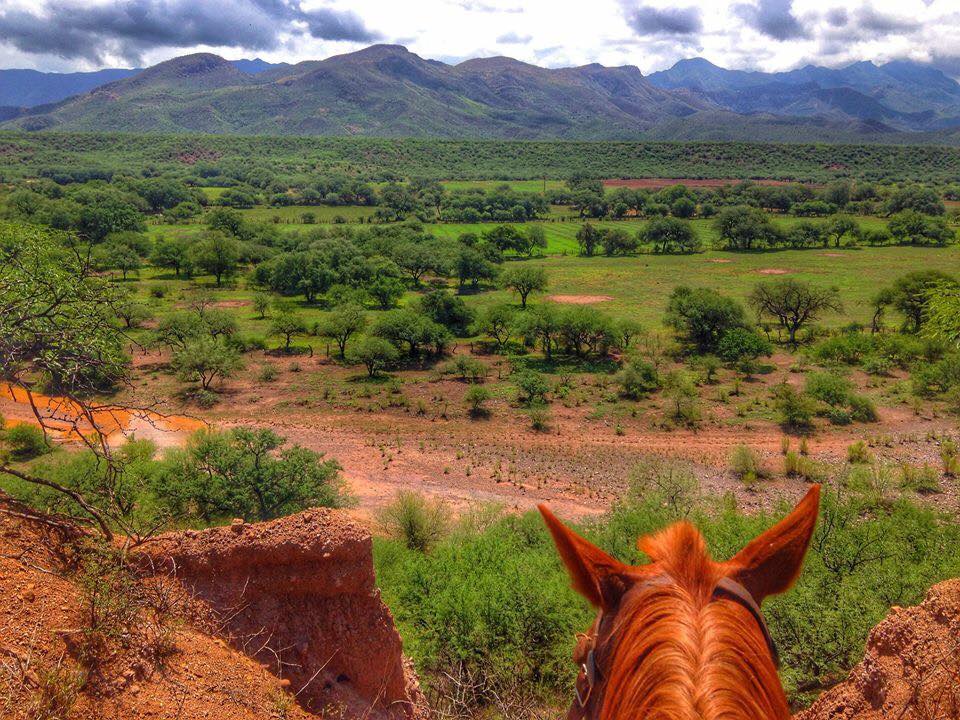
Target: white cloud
754,34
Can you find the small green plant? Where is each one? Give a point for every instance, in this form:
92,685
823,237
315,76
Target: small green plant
26,441
804,446
416,521
268,373
784,445
745,464
796,409
950,457
857,453
638,379
532,387
862,409
828,387
540,418
921,479
56,692
476,399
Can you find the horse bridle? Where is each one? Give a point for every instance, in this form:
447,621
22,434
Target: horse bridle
726,588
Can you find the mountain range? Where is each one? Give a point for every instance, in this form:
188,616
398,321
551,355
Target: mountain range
387,91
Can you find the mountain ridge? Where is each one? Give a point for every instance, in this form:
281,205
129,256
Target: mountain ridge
388,91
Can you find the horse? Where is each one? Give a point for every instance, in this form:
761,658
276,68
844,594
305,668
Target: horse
683,637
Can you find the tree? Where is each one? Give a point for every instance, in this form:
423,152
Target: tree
206,360
703,316
838,227
448,310
588,237
739,344
668,235
56,323
118,257
807,234
909,226
536,240
541,323
287,323
496,321
683,207
618,242
411,329
745,228
261,303
246,473
879,302
471,265
373,352
524,280
171,253
386,290
132,312
216,254
342,323
911,293
793,303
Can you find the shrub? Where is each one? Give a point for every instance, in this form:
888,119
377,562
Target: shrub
949,457
540,418
681,390
739,344
862,409
268,373
802,467
532,387
476,398
828,387
847,349
470,369
703,316
745,464
877,365
638,379
414,520
796,410
858,453
921,480
26,441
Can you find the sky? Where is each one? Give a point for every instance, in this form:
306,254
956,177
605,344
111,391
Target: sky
771,35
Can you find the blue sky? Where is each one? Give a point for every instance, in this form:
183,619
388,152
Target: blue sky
64,35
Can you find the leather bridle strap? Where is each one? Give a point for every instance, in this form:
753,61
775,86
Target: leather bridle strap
733,590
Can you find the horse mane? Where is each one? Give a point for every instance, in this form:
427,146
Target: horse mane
676,652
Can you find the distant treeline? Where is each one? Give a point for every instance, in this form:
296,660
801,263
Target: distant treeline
83,156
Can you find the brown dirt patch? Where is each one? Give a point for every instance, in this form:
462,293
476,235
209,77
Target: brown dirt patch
774,271
719,261
580,299
832,254
231,303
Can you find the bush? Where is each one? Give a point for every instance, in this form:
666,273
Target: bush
862,409
414,520
268,373
745,464
638,379
847,349
26,441
857,453
796,410
375,353
738,344
921,480
476,398
532,387
829,388
540,418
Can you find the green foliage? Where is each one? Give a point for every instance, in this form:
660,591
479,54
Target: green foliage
245,473
796,410
476,398
375,353
25,441
206,360
745,464
524,280
703,316
415,521
638,379
828,387
342,323
739,344
670,235
532,387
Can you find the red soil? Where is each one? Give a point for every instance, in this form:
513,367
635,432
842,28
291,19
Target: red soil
298,594
580,299
911,670
309,592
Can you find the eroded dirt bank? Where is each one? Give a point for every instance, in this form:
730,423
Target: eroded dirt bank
298,594
911,670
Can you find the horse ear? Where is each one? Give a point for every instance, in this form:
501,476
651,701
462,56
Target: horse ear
771,562
600,578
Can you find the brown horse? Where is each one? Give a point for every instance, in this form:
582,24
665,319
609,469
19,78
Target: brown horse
683,637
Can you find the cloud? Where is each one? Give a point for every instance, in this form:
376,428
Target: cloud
512,38
128,28
837,17
879,24
647,20
330,24
773,18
